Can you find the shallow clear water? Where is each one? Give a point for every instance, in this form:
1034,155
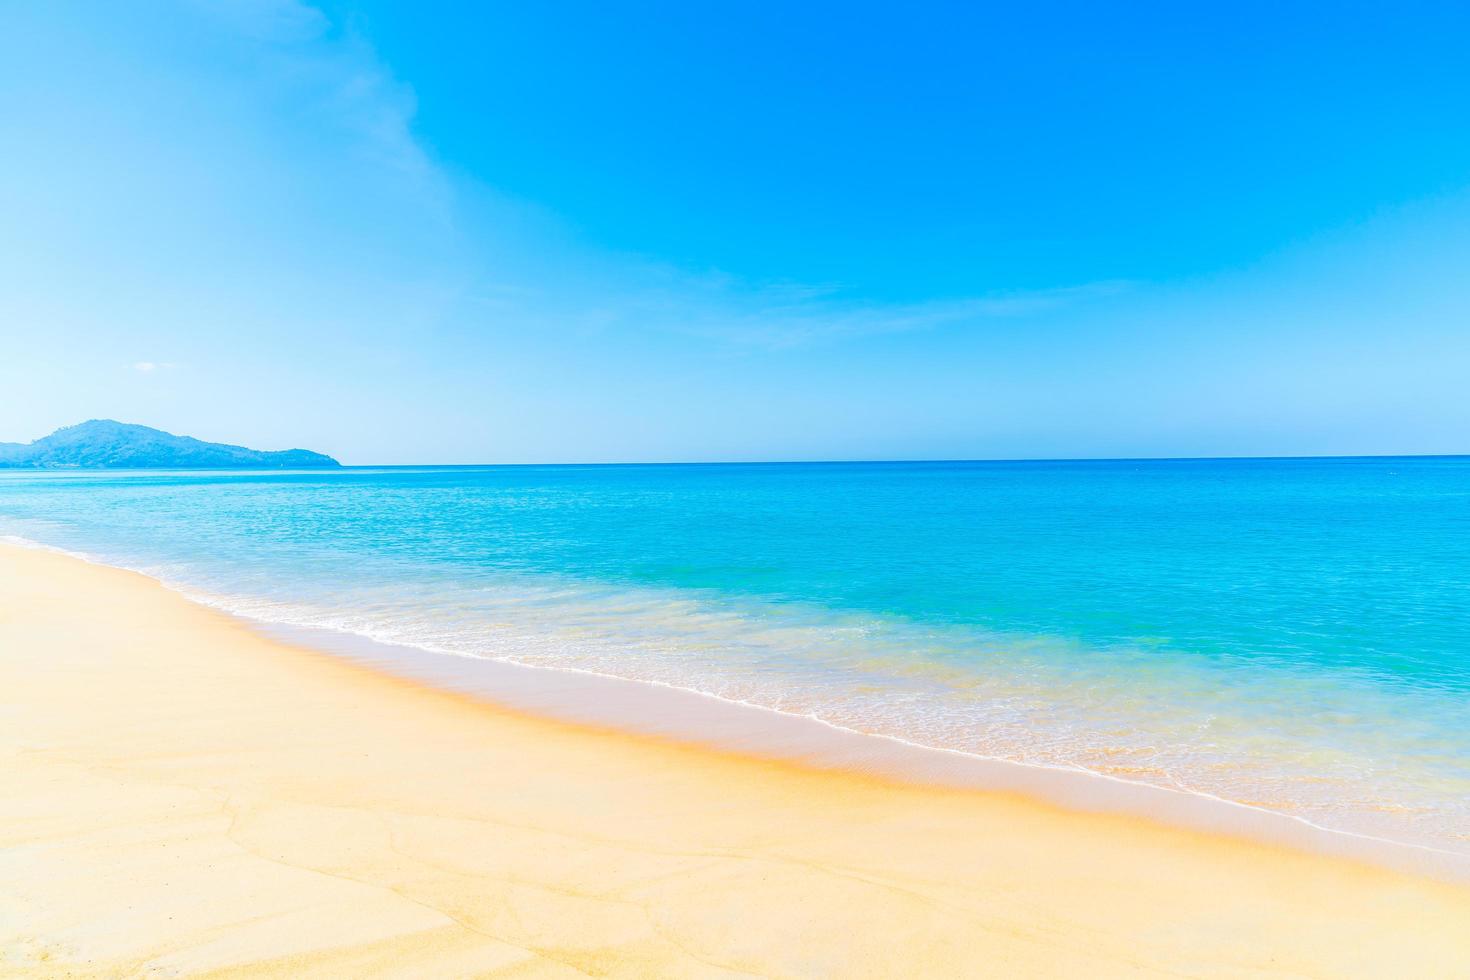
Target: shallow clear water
1289,633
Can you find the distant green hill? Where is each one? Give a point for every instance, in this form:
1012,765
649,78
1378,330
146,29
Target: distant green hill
104,443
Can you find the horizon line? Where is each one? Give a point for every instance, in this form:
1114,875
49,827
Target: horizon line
910,460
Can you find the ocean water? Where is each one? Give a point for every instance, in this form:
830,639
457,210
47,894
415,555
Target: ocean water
1291,634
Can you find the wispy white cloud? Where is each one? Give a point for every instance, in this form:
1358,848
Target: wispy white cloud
532,271
783,320
336,74
282,21
726,310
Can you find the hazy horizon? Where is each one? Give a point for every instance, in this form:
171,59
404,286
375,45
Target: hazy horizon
818,462
583,235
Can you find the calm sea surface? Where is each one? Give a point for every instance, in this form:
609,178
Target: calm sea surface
1288,633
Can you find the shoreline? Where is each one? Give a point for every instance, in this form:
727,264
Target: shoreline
692,717
189,795
698,718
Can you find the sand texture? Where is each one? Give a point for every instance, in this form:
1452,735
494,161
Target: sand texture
183,796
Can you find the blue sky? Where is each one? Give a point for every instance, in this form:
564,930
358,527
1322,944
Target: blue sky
559,232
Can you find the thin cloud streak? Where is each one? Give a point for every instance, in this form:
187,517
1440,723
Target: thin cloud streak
719,309
569,285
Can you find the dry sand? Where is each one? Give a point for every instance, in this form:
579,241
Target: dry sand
184,796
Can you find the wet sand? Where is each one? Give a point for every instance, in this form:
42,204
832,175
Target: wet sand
184,795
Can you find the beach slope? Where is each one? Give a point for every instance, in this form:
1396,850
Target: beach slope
183,796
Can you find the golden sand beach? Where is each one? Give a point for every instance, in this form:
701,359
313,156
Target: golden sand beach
183,796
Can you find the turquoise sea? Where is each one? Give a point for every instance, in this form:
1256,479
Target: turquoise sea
1293,634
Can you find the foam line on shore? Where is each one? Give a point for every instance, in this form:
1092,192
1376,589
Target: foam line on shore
186,795
744,726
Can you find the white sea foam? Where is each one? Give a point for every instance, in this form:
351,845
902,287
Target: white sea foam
1039,702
